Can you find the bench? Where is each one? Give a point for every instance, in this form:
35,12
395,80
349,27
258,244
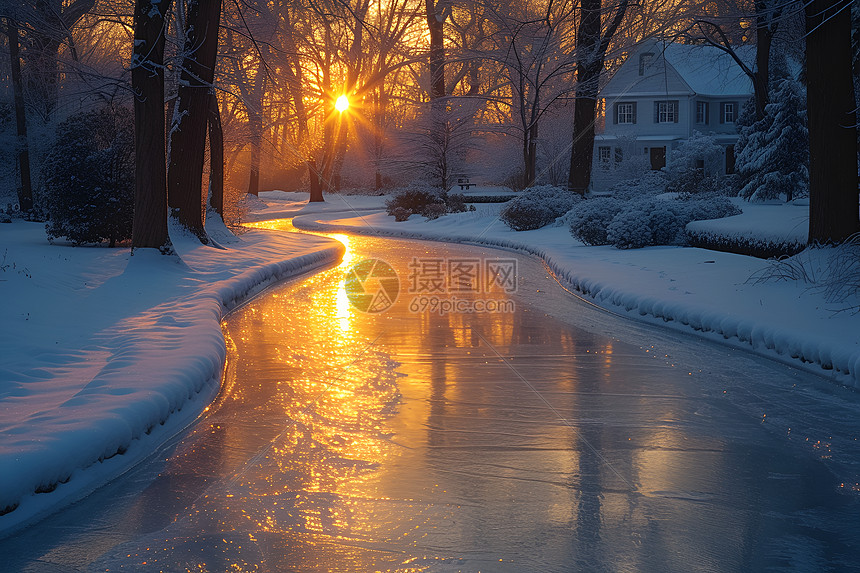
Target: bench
464,183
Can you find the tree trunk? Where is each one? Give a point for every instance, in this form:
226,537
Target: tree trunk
582,153
833,199
188,131
25,191
435,25
255,126
585,96
591,46
147,79
216,157
315,183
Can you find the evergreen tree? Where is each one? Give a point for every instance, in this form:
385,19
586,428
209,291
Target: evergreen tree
774,160
89,176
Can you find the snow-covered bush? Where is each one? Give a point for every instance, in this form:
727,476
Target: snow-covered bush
667,226
630,229
401,214
537,207
645,220
773,163
589,219
434,210
415,198
650,183
424,199
456,203
707,207
692,167
89,177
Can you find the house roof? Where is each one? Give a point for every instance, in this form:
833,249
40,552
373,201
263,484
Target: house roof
683,68
711,71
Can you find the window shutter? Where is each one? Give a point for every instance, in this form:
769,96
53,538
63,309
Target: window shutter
722,113
615,115
634,112
676,109
656,112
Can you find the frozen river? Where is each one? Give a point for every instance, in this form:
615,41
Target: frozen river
487,420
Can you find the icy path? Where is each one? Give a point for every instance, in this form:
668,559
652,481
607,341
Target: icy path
106,355
713,294
557,437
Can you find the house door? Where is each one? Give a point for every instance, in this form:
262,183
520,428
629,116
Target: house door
730,159
658,158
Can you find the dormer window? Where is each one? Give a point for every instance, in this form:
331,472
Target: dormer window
644,61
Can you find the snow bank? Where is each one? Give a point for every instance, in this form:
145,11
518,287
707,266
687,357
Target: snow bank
695,290
107,355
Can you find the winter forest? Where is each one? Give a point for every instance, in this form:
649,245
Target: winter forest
155,108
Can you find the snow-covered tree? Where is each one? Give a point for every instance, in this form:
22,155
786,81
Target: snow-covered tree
774,161
691,167
89,176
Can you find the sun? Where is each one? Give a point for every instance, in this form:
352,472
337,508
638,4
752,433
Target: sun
341,104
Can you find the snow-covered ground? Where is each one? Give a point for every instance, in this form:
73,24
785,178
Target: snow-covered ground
104,353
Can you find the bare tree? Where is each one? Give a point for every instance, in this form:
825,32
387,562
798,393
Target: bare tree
534,51
25,190
50,24
768,15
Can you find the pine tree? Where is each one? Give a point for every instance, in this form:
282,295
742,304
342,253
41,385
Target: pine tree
773,161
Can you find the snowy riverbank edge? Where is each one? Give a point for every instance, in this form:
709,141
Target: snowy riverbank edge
136,374
834,354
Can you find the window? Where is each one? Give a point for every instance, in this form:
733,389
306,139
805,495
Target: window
728,112
666,111
604,154
644,60
625,112
702,112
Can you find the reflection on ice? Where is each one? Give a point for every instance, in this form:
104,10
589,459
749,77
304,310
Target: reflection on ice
507,442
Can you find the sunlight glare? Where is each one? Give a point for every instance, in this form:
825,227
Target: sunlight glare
341,104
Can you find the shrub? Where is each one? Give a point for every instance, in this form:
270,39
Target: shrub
456,203
644,221
651,183
683,173
401,214
537,207
589,219
415,198
89,176
630,230
435,210
424,199
666,226
707,207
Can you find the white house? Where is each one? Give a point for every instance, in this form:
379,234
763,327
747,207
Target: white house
662,94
